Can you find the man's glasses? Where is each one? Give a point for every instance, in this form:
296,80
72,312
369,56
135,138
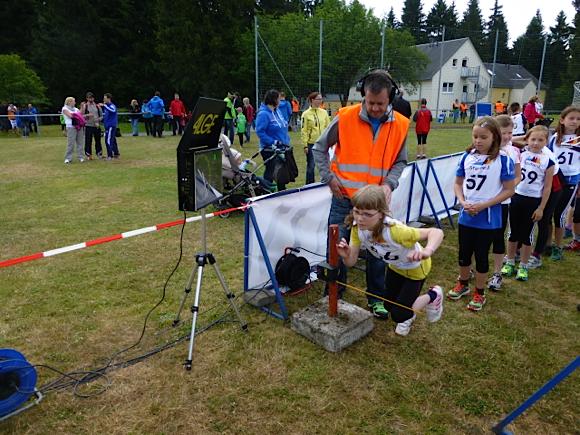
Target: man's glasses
364,214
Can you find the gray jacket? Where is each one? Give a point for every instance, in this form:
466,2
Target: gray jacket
330,137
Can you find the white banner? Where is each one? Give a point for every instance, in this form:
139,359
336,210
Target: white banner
299,217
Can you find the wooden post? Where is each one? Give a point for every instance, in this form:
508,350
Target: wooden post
333,262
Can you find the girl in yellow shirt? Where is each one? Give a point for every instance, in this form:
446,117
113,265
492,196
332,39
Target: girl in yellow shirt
397,245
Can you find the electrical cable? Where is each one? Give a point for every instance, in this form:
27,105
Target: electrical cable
91,375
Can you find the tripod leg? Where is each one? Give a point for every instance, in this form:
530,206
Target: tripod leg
229,295
186,292
194,310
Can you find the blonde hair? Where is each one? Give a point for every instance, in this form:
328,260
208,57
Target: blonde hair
538,129
504,121
68,101
371,197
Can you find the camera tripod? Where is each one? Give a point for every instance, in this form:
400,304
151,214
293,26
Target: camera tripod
201,260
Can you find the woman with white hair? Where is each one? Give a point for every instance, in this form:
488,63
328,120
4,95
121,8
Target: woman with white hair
75,132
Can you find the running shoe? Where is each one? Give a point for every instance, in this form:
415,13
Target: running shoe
574,245
434,309
557,254
379,311
458,291
508,269
534,262
494,283
522,274
405,327
477,302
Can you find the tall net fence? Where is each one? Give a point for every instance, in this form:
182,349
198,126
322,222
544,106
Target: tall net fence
302,56
299,55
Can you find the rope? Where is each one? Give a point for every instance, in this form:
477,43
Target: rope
377,296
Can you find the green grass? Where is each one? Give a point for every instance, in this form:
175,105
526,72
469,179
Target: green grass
72,311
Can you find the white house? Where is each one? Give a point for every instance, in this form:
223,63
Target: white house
463,75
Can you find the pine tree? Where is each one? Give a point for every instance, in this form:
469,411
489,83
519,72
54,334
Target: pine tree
496,25
413,20
452,27
557,58
565,92
472,25
442,16
392,22
528,47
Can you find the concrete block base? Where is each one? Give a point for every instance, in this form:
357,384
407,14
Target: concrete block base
332,333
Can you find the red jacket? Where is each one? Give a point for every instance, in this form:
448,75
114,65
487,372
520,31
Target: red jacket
531,113
177,108
250,113
423,120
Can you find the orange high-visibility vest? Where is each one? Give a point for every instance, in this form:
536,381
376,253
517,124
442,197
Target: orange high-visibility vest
359,159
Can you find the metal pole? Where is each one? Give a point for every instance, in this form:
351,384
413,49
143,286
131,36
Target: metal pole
493,66
542,67
383,47
256,64
440,73
320,60
333,262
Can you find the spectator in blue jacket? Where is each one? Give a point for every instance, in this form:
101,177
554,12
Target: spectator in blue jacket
272,129
32,119
157,108
285,107
147,117
110,122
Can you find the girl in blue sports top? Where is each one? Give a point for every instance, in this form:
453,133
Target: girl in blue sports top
484,178
528,203
564,144
397,245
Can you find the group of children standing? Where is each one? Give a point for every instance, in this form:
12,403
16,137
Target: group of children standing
523,180
497,182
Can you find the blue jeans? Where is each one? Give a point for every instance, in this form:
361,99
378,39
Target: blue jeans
375,268
229,129
135,126
248,129
310,165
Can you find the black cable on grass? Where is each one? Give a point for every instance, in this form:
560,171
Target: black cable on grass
76,379
91,375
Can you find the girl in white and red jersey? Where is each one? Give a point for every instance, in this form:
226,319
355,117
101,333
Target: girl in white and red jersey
564,144
530,199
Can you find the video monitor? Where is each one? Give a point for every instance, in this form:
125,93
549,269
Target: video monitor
199,180
208,177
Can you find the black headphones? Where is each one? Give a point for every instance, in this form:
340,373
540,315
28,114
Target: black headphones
360,84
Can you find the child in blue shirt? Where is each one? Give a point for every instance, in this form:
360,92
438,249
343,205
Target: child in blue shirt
484,178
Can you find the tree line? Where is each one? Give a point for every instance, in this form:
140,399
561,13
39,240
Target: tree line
206,47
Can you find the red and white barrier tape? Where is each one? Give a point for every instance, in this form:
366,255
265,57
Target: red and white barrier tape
101,240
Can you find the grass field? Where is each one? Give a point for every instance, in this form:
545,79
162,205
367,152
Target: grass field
73,311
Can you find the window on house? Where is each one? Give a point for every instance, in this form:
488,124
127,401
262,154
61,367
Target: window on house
454,62
447,88
464,88
464,62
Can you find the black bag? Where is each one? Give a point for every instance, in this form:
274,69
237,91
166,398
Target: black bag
285,168
118,132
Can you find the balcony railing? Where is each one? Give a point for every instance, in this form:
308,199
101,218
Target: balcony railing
467,72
